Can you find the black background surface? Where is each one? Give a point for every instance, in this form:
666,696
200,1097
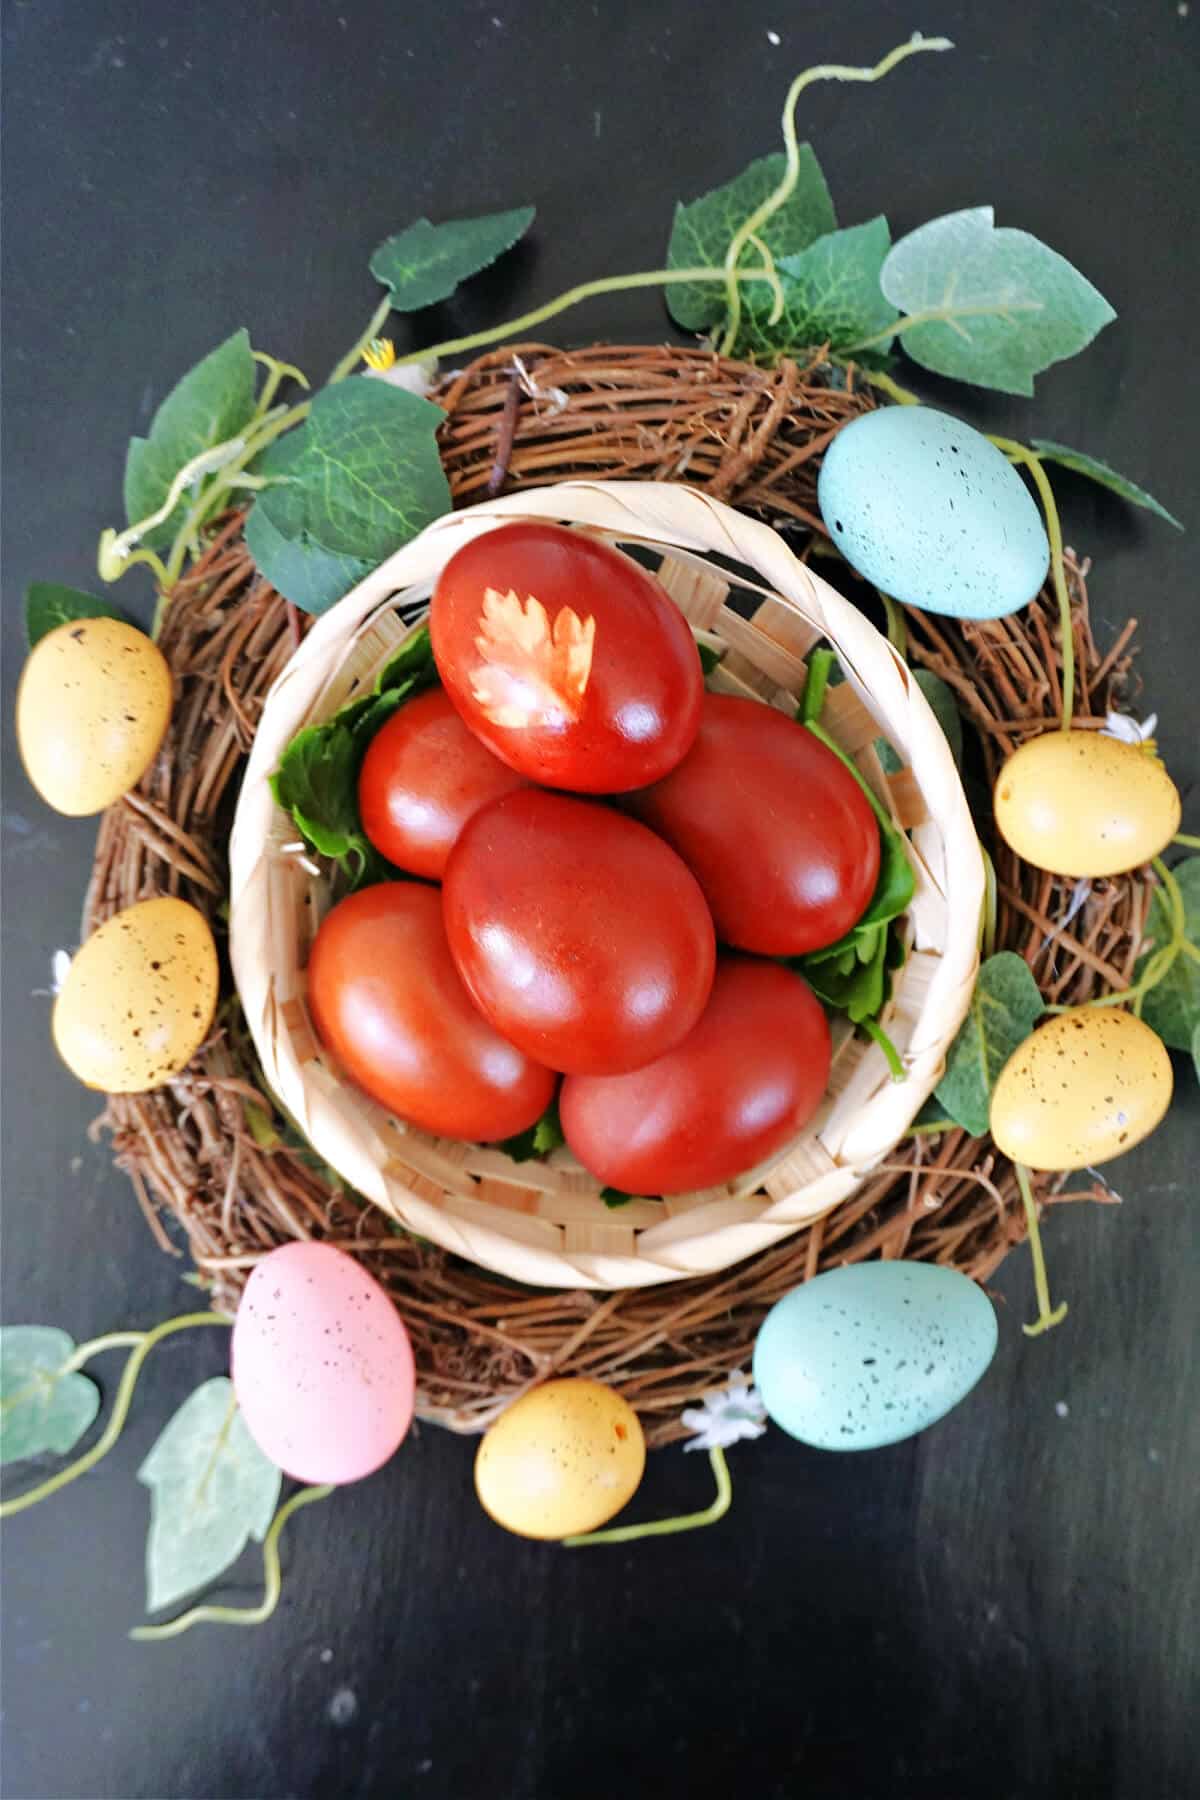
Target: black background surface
1004,1607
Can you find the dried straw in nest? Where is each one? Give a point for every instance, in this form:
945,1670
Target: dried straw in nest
203,1153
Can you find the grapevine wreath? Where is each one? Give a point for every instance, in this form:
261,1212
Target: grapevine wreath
225,505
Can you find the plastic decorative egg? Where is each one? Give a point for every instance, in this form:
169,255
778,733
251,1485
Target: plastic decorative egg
928,510
561,1460
1078,803
322,1365
139,998
92,709
1084,1087
872,1353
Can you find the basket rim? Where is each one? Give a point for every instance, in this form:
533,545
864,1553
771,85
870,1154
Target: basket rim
674,519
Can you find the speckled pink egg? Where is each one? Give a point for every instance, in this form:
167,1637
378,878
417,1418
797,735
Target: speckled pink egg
322,1365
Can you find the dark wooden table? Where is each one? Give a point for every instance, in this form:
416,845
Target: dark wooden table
1004,1607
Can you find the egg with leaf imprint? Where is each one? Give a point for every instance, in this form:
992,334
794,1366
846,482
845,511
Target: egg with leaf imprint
566,658
560,1460
139,998
1081,803
92,709
1086,1086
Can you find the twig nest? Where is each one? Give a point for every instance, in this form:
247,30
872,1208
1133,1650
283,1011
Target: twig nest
931,512
1085,1087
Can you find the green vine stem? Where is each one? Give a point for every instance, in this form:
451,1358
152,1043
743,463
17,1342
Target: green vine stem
987,936
226,462
1185,838
145,1343
241,1615
897,630
1048,1316
780,195
625,1534
878,1035
1018,453
939,315
877,379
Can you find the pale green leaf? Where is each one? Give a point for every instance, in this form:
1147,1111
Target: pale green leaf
1173,1007
1095,470
1001,306
831,294
1005,1007
426,262
211,1490
704,228
1196,1049
41,1407
211,403
945,708
48,604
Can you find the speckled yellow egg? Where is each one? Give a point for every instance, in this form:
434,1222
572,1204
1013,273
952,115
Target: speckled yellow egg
1086,1086
92,709
139,998
562,1459
1076,803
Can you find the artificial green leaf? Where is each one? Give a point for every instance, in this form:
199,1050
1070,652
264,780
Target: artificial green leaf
710,656
895,883
414,659
41,1407
48,604
1173,1007
425,263
831,294
945,708
545,1135
317,778
997,306
370,474
862,991
1005,1007
303,571
211,1490
1095,470
316,782
703,230
616,1197
211,403
1196,1049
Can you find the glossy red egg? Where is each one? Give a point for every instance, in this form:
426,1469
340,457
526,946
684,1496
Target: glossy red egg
422,778
566,658
387,1000
579,934
743,1082
776,830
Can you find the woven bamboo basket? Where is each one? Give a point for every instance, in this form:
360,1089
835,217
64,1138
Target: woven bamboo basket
546,1224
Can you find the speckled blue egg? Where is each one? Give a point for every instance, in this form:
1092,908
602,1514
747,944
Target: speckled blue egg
928,510
873,1353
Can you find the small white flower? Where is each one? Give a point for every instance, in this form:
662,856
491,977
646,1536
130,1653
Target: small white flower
1127,729
60,968
726,1415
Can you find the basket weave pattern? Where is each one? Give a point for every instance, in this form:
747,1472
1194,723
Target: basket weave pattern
204,1163
548,1225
